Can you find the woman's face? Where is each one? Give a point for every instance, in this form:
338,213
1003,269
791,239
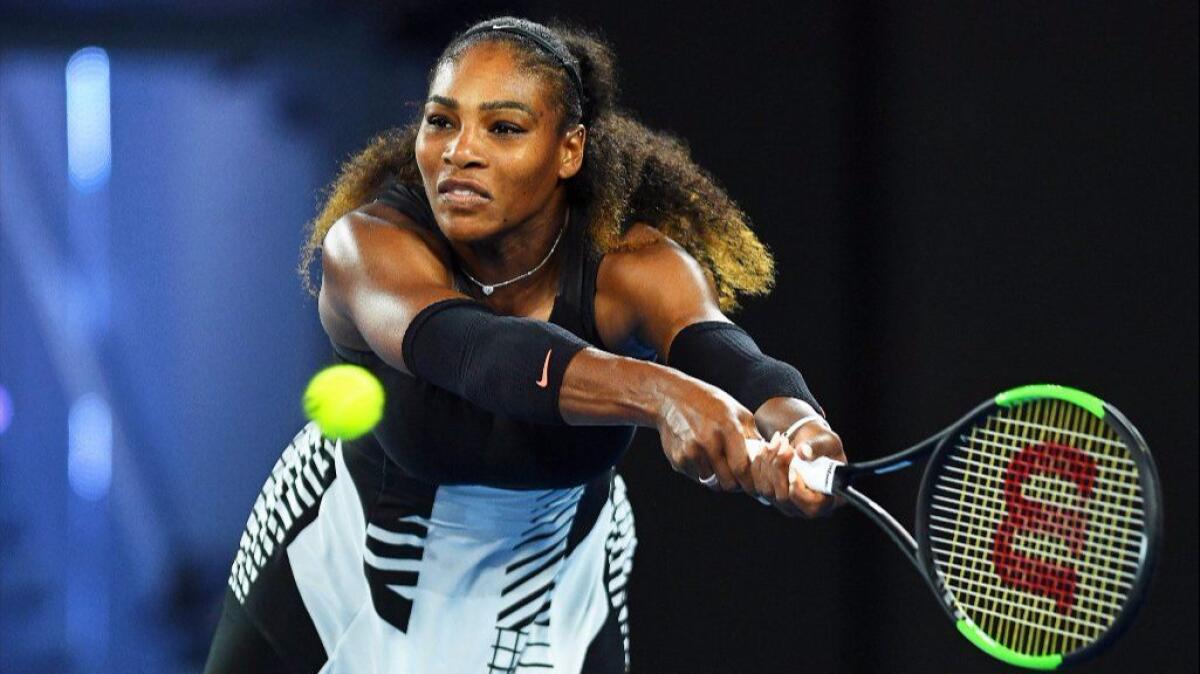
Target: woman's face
489,149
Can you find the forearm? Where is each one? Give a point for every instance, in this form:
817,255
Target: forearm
723,355
600,389
494,362
491,360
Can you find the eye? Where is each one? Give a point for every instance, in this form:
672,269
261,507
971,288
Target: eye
506,128
438,121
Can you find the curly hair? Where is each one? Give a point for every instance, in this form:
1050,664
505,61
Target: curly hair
630,174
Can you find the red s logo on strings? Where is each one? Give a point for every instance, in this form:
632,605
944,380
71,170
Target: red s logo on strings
1055,579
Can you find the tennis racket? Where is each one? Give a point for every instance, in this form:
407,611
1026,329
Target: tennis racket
1037,522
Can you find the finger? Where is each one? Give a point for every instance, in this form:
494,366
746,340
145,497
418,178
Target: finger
697,466
783,483
800,495
823,505
825,443
781,447
748,432
720,468
682,466
734,453
782,473
760,468
766,469
811,503
781,469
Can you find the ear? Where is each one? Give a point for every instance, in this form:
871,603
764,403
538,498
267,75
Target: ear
571,150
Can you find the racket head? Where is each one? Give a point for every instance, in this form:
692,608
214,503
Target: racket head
1038,525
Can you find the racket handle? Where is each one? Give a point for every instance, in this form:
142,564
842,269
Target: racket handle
816,474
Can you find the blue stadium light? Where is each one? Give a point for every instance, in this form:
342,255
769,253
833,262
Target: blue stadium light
6,409
89,129
89,447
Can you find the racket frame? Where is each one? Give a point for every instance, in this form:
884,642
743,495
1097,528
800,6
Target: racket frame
917,545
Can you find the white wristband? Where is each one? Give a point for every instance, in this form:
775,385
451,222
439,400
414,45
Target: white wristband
804,420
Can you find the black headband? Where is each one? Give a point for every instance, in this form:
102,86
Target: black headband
560,55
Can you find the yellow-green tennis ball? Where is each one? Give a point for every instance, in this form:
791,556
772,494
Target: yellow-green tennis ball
346,401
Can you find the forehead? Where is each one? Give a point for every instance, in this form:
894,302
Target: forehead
489,71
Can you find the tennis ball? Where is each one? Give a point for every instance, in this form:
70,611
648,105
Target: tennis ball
346,401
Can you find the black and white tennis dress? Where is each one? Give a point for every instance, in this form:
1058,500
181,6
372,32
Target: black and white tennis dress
451,539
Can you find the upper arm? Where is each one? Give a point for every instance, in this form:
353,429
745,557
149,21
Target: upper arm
652,291
378,272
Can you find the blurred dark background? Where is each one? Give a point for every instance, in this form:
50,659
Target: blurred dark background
961,196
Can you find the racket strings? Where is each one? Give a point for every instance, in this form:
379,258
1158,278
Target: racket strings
1036,526
960,479
972,535
1085,563
985,526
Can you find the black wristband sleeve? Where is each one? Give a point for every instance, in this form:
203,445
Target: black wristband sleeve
722,354
508,365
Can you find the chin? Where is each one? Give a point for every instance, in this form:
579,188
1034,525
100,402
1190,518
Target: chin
467,226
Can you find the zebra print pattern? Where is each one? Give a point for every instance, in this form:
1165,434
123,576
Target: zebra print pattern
391,561
285,505
395,545
542,547
620,545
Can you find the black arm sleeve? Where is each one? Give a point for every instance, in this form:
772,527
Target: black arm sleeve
723,355
512,366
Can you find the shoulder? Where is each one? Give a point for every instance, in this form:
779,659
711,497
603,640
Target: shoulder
643,251
649,261
649,288
374,246
376,233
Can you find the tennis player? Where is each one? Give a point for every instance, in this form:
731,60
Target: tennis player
532,274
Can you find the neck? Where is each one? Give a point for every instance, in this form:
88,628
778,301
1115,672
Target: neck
515,251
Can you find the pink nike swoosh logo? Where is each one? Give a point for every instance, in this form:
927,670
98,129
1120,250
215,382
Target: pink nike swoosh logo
545,380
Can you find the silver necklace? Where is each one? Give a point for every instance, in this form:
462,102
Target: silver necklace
489,288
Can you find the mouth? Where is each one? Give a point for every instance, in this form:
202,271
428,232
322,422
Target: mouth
459,192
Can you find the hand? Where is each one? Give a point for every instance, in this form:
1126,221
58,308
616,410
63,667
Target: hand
703,432
771,470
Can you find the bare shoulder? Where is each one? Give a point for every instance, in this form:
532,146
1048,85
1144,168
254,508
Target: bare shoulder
371,247
650,262
376,232
649,288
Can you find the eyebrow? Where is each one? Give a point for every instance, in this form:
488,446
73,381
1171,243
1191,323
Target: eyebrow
489,105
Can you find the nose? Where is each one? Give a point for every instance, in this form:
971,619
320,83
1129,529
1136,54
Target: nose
463,151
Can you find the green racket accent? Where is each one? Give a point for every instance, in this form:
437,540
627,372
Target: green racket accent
989,646
1087,401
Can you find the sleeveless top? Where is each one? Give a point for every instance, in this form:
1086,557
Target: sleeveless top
438,438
